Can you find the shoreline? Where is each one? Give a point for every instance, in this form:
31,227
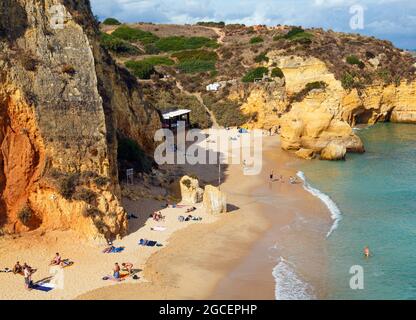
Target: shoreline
218,258
296,239
228,259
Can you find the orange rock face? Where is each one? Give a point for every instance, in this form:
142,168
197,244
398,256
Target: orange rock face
63,102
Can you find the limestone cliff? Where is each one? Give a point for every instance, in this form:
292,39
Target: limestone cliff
62,103
313,118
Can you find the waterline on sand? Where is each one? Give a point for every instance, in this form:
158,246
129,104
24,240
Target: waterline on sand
333,208
289,286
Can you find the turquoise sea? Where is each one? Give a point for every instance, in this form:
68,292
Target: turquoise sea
375,194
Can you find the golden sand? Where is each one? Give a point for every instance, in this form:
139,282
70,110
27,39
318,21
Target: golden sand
196,259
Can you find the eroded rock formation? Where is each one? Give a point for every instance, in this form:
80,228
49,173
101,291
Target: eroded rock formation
190,191
215,201
62,103
326,113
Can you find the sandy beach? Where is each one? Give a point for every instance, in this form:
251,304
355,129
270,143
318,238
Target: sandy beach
220,257
229,259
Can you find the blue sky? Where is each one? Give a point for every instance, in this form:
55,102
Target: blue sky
394,20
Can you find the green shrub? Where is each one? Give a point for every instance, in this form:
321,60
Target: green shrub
187,183
295,31
195,61
354,60
213,73
184,43
25,215
196,66
159,61
151,48
141,69
255,40
111,22
212,24
192,55
278,37
277,73
348,81
84,194
262,57
297,34
254,74
308,88
101,226
92,212
101,181
68,184
385,75
133,35
228,113
130,155
117,45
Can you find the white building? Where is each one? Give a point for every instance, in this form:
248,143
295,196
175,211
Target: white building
214,86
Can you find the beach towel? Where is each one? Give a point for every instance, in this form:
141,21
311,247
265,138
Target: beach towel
178,206
147,243
159,228
66,263
45,287
105,278
113,250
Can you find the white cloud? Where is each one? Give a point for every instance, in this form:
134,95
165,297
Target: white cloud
384,18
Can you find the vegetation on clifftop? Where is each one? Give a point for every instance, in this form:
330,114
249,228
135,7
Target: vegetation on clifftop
254,74
111,22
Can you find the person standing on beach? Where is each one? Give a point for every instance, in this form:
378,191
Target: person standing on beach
116,271
271,176
27,273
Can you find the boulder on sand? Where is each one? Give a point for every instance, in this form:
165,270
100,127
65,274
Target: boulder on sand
333,151
190,191
307,154
215,201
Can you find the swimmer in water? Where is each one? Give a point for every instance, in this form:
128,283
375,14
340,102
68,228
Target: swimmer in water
367,253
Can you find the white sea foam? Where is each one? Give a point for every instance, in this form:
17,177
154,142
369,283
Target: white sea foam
333,208
289,286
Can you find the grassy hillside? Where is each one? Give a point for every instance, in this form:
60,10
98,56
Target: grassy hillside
197,55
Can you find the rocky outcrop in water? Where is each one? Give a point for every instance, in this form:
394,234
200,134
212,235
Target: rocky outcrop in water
326,112
63,102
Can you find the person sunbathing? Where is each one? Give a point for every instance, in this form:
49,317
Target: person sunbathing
17,268
127,266
190,210
27,273
157,216
56,261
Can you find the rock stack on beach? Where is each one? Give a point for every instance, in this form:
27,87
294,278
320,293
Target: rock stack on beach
215,201
190,191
